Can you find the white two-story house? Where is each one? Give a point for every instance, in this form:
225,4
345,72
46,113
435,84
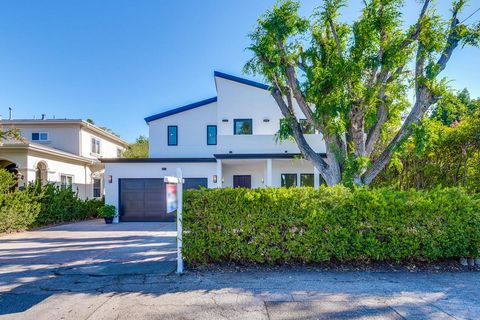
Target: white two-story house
225,141
61,151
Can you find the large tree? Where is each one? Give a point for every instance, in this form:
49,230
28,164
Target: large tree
352,80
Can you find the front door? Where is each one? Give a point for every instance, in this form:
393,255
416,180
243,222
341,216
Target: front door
242,182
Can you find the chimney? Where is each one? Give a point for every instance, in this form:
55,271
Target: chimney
43,116
10,113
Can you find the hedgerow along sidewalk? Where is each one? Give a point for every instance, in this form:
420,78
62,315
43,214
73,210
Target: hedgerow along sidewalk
303,225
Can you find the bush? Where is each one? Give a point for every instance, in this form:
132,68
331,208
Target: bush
302,225
18,210
106,211
62,205
40,205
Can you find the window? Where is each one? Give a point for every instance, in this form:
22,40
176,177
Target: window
306,180
96,146
66,181
172,135
289,180
39,136
97,188
307,127
119,153
242,126
211,135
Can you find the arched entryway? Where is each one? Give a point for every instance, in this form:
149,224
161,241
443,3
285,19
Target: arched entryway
10,167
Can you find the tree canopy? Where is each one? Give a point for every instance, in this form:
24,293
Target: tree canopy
138,149
351,81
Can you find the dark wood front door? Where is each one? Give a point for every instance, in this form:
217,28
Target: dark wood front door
242,181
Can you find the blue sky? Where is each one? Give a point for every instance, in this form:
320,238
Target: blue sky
117,61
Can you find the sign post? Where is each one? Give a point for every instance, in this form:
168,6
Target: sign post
175,202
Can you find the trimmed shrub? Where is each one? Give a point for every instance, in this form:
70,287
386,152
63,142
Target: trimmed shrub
62,205
18,210
303,225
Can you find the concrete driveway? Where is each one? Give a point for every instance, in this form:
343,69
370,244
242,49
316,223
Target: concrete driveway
93,271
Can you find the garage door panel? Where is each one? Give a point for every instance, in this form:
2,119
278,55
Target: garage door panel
143,200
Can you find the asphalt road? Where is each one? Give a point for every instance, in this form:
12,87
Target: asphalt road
93,271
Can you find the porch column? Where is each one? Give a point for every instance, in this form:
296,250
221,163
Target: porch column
316,178
269,180
219,173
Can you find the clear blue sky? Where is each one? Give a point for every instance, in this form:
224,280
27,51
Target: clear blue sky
117,61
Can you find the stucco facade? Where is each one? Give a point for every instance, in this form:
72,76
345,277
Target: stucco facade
59,152
241,150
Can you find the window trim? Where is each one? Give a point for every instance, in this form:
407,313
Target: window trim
289,174
216,134
66,186
93,141
40,135
307,174
176,136
242,134
99,189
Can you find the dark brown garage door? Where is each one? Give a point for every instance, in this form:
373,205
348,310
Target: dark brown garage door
143,200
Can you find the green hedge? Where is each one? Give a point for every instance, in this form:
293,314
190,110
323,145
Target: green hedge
302,225
40,205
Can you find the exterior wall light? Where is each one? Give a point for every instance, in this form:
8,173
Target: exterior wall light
266,120
224,120
110,179
215,178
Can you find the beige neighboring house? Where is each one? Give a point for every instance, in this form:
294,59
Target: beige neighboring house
62,151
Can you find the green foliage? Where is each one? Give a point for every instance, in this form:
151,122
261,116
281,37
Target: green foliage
18,210
451,108
39,205
303,225
139,149
106,211
438,156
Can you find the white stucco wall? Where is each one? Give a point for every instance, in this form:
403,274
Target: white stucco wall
192,133
108,148
152,170
64,137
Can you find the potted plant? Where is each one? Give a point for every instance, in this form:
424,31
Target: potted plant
107,212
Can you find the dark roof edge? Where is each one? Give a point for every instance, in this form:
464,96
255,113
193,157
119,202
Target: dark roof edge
242,80
156,160
261,155
180,109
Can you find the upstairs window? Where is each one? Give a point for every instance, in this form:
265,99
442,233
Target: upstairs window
289,180
172,135
66,182
211,135
119,153
307,127
242,126
96,146
39,136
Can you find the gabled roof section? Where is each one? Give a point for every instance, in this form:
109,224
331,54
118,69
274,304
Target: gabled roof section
181,109
242,80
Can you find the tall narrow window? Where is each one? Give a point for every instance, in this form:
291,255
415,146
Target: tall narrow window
306,180
211,135
242,126
96,148
172,135
97,188
289,180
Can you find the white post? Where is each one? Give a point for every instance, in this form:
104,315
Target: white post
179,221
219,173
316,178
269,173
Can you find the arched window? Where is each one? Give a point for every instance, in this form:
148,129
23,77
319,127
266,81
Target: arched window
41,172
